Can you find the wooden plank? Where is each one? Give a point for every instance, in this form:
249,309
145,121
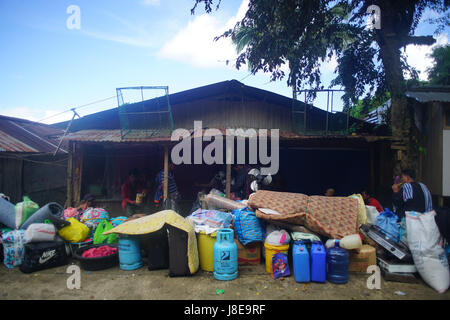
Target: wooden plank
69,193
166,171
228,173
78,173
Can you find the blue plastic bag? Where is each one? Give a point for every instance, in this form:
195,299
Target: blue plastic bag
249,228
280,265
387,222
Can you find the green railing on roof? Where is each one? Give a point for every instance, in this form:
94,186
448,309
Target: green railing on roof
142,117
308,120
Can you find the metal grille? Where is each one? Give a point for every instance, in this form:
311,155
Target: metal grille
144,112
309,120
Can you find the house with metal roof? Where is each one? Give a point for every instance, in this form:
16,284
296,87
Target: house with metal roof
317,149
33,161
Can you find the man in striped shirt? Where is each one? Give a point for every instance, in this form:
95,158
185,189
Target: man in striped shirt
172,189
410,195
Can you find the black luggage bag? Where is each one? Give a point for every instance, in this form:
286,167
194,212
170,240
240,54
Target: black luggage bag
44,255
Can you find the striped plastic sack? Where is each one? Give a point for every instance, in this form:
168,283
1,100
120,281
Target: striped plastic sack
249,228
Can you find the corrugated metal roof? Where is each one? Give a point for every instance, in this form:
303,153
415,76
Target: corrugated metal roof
115,136
11,144
429,94
20,135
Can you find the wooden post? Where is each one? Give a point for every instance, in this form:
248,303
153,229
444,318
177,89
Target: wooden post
228,173
69,180
166,172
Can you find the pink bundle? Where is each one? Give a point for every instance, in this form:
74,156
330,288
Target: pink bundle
70,212
99,252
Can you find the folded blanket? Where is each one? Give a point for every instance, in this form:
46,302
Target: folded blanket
333,217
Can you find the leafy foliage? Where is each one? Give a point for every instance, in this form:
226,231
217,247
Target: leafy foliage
305,33
439,73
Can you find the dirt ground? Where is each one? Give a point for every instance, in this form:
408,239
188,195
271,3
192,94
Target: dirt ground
253,283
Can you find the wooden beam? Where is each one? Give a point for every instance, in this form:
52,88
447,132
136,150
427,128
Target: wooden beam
69,181
228,173
166,171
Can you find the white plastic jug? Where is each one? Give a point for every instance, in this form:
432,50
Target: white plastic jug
352,241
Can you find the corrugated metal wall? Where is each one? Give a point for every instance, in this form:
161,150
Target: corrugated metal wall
232,112
42,178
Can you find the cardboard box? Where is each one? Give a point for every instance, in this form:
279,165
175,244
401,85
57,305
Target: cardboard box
359,262
249,254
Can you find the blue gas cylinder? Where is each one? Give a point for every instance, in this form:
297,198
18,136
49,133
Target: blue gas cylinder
318,262
337,264
300,261
129,253
225,255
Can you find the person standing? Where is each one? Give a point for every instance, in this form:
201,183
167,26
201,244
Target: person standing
133,203
409,195
172,190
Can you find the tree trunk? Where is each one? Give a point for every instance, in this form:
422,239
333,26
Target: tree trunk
389,39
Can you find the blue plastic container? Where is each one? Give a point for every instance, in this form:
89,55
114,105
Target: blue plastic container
225,255
337,264
300,261
318,262
129,253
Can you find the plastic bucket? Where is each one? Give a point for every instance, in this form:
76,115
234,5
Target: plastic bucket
206,250
270,251
129,253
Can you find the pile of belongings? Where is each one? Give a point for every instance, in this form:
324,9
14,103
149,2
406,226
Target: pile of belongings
209,221
181,240
37,238
411,247
333,217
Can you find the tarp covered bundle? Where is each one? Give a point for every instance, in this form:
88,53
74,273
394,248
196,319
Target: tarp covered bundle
155,222
333,217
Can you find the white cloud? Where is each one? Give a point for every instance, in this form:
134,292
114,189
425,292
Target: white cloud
150,2
36,114
195,43
128,32
419,56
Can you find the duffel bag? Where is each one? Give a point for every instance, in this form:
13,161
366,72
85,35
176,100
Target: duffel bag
248,227
44,255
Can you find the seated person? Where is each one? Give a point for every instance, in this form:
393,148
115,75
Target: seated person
330,192
87,202
130,189
239,185
370,201
217,182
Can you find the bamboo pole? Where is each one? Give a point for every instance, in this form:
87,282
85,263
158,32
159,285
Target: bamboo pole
166,172
228,173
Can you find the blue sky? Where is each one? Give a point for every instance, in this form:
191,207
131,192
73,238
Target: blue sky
47,68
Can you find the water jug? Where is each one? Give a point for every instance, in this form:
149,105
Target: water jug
337,265
225,255
129,253
318,262
352,241
300,260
